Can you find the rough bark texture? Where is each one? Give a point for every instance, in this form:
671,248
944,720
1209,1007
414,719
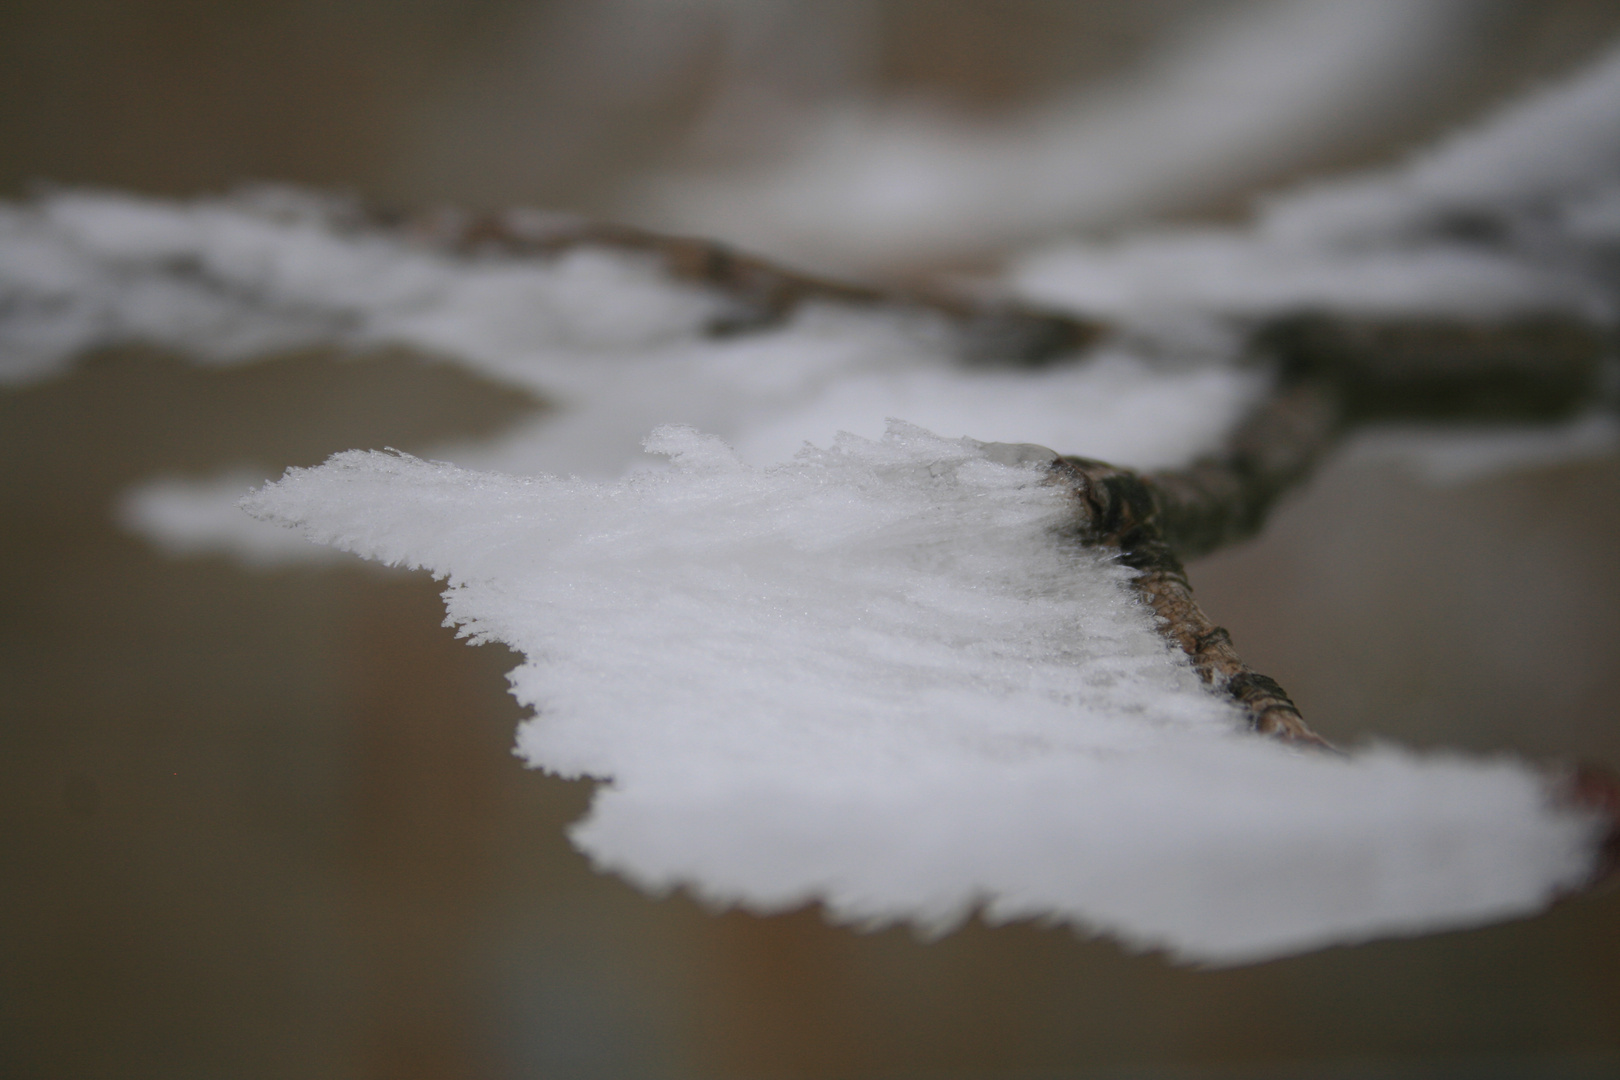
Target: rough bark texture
1156,520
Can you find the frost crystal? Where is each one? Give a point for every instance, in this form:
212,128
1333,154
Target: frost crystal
881,676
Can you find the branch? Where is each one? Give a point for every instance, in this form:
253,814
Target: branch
1333,375
762,294
1156,520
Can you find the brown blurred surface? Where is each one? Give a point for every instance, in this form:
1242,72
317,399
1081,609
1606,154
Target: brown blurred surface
267,823
557,102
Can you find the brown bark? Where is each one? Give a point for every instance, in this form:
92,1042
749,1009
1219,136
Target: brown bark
1331,376
1154,521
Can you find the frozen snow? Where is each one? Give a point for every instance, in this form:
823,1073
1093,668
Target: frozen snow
1518,216
880,676
606,335
620,347
231,280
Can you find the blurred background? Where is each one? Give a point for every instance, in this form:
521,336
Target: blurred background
265,823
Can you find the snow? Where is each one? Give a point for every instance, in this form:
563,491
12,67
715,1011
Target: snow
620,345
881,677
231,280
621,348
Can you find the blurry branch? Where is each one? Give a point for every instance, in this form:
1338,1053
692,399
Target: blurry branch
761,294
1331,374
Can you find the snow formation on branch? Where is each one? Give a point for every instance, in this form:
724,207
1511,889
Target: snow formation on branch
872,675
1519,215
877,676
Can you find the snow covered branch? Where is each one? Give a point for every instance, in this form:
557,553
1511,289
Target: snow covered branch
1329,374
863,638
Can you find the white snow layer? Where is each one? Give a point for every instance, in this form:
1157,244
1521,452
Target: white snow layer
231,280
879,676
606,335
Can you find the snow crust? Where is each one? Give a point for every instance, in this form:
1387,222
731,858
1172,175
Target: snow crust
881,677
606,335
231,280
1520,215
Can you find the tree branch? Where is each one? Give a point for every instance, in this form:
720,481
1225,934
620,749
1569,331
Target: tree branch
1331,375
762,294
1155,521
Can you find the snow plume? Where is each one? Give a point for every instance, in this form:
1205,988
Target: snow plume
1263,87
879,676
1521,214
